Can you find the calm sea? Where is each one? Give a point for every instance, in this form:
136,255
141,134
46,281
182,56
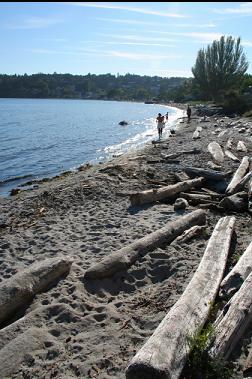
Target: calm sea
42,138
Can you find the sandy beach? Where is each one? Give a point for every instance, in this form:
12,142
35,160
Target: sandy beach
93,328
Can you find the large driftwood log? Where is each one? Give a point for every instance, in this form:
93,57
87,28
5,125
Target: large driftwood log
216,152
125,257
150,196
238,175
165,353
18,290
241,147
12,355
208,174
233,321
231,156
232,282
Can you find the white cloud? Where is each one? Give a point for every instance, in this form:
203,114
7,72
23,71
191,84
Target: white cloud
106,53
139,44
34,23
243,9
129,8
247,43
137,56
205,37
126,21
136,38
209,25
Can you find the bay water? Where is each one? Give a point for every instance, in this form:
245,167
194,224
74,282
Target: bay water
44,137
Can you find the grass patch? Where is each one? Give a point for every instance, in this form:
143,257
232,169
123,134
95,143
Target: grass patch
199,364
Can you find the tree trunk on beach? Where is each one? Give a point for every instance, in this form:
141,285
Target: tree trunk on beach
238,175
207,174
164,354
232,322
150,196
232,282
18,290
125,257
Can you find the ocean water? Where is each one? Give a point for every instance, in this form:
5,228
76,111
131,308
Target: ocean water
44,137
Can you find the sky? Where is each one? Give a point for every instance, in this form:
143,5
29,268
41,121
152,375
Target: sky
143,38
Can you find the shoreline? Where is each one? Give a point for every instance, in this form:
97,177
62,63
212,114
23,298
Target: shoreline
96,327
33,183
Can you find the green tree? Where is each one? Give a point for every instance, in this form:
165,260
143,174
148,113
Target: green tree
220,67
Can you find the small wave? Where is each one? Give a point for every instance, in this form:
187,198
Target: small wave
15,178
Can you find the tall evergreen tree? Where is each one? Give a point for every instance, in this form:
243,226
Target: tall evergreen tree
220,67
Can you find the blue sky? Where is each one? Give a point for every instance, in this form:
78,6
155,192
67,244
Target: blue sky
147,38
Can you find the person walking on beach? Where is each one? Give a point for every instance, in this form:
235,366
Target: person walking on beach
160,124
188,112
166,116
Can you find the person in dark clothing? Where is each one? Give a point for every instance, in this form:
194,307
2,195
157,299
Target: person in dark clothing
188,112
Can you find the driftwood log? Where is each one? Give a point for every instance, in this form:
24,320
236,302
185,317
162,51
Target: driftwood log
18,290
216,152
189,234
230,155
12,355
150,196
232,282
238,175
165,352
125,257
208,174
178,154
235,203
232,322
241,147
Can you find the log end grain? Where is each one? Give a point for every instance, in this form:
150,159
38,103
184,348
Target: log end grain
144,371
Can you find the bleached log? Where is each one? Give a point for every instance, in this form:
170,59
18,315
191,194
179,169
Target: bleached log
165,352
246,179
231,156
152,195
232,322
238,175
12,355
216,152
208,174
250,189
16,291
189,234
125,257
232,282
196,134
241,147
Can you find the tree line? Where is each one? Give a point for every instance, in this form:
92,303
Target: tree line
219,75
106,86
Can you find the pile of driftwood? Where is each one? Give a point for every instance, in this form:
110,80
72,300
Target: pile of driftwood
165,353
216,190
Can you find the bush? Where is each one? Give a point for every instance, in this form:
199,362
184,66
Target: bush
233,102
